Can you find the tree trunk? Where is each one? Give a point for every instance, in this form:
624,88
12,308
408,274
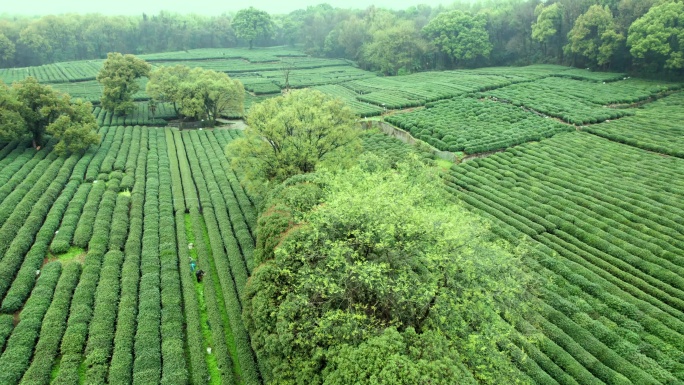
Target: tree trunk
37,139
250,44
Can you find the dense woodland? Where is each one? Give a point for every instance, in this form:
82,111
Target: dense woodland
642,36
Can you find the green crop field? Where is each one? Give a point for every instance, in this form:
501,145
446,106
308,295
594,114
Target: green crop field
581,170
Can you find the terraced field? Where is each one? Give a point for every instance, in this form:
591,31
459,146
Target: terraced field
113,227
607,235
96,284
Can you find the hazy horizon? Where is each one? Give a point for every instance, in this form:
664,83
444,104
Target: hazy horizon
202,7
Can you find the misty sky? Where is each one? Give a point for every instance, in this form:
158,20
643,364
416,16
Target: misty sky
204,7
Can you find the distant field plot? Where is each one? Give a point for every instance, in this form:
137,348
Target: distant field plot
526,73
418,89
474,126
259,85
607,237
252,55
299,78
658,126
360,108
140,117
242,65
582,74
54,73
580,102
92,90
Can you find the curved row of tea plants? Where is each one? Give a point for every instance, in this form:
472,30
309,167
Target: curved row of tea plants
474,126
608,236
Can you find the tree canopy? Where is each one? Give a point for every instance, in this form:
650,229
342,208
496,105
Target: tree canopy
7,49
547,28
342,257
30,109
657,38
512,28
197,93
251,23
460,35
118,76
293,134
594,36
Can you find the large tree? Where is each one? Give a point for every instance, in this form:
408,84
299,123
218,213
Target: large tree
462,37
657,38
547,29
371,273
197,93
251,23
292,134
119,76
7,49
594,36
37,110
395,50
12,125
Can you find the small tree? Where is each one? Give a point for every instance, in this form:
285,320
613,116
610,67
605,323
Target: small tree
118,76
251,23
292,134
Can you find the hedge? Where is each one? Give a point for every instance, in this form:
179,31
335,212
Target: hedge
80,315
194,338
86,222
26,277
24,238
52,328
101,329
6,327
13,174
121,368
174,365
17,355
62,239
217,224
147,348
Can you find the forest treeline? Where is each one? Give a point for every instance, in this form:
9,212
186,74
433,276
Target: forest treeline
642,36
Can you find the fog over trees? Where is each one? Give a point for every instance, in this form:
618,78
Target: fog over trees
600,34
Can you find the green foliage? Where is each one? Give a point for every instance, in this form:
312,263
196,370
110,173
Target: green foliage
398,358
197,93
118,76
293,134
473,126
16,356
594,36
347,270
396,49
76,130
40,110
7,49
658,37
547,28
251,23
461,36
12,125
52,328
